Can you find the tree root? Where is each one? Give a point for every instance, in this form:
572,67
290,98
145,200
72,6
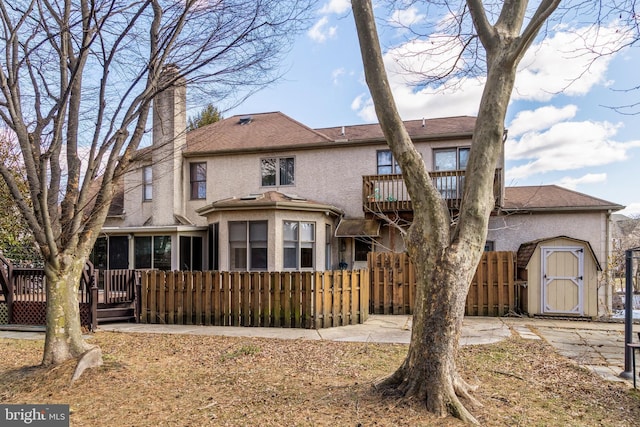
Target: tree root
440,400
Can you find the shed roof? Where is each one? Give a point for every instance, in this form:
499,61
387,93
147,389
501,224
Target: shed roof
526,250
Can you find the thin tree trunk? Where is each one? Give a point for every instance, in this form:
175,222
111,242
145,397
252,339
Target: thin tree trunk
63,340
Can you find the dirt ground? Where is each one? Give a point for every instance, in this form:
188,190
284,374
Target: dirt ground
178,380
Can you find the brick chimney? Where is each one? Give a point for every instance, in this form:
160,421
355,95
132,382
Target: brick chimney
169,140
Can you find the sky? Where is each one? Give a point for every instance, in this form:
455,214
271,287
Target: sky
562,129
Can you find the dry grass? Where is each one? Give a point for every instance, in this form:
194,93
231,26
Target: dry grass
172,380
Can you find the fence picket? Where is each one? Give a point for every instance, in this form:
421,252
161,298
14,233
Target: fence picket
290,299
216,299
393,284
208,303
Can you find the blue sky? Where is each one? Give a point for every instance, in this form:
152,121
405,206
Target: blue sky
561,130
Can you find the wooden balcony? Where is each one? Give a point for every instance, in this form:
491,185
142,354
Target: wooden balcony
388,193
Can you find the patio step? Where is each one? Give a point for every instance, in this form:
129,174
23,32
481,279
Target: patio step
116,314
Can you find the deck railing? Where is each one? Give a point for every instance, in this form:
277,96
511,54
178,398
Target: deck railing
388,193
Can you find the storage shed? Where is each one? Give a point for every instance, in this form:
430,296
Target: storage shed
561,275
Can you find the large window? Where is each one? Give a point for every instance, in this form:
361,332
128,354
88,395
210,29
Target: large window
299,244
110,253
450,161
152,252
198,180
191,253
248,245
147,183
277,171
386,164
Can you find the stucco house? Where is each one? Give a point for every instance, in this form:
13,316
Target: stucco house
265,192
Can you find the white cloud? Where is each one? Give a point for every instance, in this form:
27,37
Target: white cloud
590,178
561,63
336,74
631,210
321,31
570,61
540,119
336,6
566,146
406,17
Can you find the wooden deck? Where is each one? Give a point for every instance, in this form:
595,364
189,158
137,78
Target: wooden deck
388,193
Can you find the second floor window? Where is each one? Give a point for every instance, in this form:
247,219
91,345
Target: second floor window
198,179
147,183
387,165
451,159
277,171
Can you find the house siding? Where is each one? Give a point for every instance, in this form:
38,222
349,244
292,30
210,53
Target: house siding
509,231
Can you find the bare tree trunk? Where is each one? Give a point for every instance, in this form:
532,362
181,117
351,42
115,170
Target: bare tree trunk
63,339
447,256
429,372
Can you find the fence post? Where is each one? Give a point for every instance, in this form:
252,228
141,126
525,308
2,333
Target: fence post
137,295
93,304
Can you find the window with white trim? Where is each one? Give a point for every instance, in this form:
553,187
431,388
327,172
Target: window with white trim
248,245
386,164
299,244
450,161
198,180
147,183
277,171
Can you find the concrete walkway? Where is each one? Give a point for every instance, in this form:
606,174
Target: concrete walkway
594,345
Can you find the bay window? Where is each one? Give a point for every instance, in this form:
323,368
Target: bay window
299,244
248,245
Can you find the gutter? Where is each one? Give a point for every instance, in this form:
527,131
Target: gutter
323,145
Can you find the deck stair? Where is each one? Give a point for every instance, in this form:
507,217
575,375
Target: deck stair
110,313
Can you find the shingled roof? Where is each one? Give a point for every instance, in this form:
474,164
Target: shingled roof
526,250
552,198
251,132
266,131
268,200
418,129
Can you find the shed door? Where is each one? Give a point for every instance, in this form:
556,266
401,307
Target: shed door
562,280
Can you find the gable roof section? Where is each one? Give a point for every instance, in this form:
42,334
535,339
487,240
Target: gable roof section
262,131
275,130
526,250
552,198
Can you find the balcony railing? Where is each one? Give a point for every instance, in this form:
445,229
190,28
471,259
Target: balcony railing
388,193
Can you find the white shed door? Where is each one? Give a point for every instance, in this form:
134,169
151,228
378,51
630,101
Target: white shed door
562,280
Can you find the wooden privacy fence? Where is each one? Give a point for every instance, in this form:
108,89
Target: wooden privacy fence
393,284
272,299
